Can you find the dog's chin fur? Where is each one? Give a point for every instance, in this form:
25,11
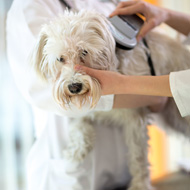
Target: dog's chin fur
84,38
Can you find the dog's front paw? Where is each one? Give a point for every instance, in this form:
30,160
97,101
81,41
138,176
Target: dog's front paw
140,186
76,154
80,143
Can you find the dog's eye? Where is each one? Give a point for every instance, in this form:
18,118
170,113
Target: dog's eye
61,59
84,52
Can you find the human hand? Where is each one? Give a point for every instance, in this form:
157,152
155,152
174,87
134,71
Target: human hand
108,80
126,91
154,15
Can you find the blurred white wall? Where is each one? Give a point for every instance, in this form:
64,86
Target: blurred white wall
16,125
178,5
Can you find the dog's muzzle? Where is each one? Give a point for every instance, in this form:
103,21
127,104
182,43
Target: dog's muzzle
75,88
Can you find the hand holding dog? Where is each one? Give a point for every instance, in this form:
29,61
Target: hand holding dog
128,89
109,80
115,83
154,15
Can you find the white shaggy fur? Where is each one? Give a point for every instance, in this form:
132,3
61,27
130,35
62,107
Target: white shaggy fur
84,38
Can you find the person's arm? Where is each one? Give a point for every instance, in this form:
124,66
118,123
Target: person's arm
142,91
144,85
154,15
115,83
132,91
179,21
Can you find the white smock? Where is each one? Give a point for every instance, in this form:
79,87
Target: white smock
106,166
180,88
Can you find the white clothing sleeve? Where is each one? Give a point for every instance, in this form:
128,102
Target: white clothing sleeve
180,88
187,40
24,22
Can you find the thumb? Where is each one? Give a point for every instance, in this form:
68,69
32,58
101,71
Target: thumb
148,25
87,70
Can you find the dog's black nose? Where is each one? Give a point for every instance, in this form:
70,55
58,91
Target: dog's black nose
75,88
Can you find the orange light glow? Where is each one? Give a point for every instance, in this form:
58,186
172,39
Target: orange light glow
157,152
155,2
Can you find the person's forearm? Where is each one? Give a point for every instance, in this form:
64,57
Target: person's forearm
143,85
178,21
136,101
115,83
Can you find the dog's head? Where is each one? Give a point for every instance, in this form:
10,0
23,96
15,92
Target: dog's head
74,38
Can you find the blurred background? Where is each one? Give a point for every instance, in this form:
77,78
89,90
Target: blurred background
16,123
167,152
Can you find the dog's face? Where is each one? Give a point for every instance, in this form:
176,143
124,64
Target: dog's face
74,38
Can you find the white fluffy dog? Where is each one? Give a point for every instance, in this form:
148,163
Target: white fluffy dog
85,38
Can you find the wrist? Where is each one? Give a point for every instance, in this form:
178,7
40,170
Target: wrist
121,85
167,16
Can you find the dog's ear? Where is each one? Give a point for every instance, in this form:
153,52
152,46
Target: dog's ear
37,57
101,26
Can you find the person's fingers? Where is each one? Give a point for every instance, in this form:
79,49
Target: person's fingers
133,9
148,25
126,3
122,5
87,70
81,68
